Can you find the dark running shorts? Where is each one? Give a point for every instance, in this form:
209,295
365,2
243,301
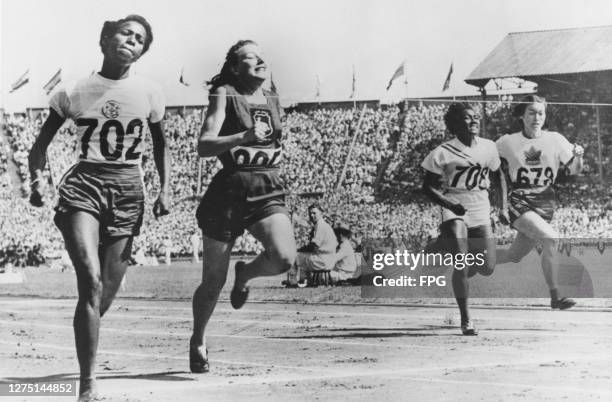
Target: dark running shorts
541,201
237,199
114,194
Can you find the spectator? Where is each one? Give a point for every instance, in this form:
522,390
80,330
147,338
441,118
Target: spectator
346,264
320,253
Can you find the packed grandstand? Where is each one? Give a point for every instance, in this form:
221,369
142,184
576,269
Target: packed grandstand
377,196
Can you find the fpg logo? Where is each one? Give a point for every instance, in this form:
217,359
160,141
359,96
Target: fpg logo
432,280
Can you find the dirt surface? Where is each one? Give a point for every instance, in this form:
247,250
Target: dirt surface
293,351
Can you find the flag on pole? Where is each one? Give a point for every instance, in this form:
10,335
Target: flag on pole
318,93
353,85
57,77
272,85
448,78
182,79
24,79
398,73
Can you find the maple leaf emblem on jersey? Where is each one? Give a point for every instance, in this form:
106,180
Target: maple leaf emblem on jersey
111,109
532,156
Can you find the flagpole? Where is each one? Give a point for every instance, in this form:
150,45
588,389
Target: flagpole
599,154
350,151
405,81
451,81
353,89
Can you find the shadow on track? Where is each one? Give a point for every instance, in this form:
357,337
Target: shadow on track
164,376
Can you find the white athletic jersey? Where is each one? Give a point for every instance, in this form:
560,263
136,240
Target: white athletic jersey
534,162
465,176
111,115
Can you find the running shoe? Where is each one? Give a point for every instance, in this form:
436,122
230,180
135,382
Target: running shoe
197,362
469,329
238,296
562,304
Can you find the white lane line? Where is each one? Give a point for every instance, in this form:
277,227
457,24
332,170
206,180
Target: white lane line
142,301
307,324
597,321
538,332
255,337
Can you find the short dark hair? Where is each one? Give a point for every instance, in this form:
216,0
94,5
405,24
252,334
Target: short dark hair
342,230
527,100
454,114
315,205
110,28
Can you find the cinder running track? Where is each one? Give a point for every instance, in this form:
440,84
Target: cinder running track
327,352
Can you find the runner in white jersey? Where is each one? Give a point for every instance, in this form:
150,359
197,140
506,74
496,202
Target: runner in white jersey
531,159
111,116
464,172
101,198
457,179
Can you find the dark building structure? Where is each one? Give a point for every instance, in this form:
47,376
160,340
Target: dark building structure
571,67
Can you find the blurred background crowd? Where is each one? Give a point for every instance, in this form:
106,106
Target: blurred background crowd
375,190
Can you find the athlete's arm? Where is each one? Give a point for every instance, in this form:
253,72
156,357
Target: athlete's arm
37,157
431,187
209,142
575,164
161,155
498,179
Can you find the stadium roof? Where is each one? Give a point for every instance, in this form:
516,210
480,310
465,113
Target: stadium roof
545,53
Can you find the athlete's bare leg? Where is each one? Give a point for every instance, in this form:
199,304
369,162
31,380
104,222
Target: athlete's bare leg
115,255
275,232
533,226
80,231
482,241
216,258
454,239
521,246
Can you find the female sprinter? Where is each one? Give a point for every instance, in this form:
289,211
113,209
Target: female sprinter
242,128
457,179
101,198
531,159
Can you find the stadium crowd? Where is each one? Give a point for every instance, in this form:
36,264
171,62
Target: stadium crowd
379,196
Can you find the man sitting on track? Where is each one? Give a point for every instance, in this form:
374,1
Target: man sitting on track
319,254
